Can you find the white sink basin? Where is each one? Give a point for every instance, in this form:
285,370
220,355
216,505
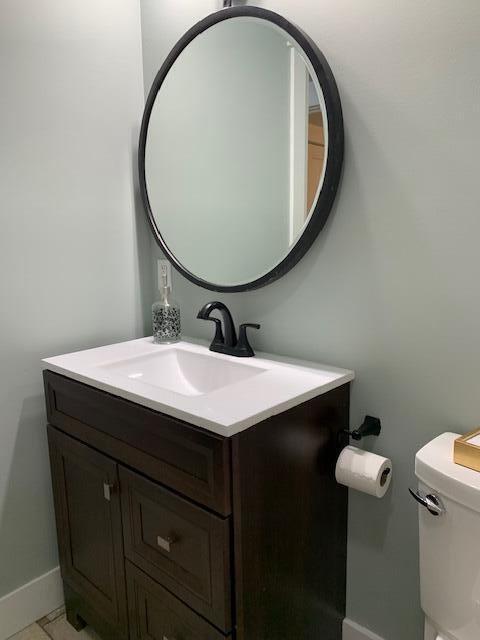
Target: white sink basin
220,393
183,371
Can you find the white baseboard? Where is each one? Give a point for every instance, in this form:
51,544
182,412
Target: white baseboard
353,631
28,603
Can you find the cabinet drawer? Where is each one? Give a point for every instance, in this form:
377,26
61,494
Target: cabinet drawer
157,615
180,545
190,460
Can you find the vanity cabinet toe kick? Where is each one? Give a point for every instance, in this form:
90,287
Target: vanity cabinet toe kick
169,532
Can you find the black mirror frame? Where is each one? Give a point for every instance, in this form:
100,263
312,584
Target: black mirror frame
335,146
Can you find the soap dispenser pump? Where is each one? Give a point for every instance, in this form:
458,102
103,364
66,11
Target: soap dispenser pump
165,312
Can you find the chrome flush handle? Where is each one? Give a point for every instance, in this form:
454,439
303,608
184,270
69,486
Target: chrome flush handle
430,501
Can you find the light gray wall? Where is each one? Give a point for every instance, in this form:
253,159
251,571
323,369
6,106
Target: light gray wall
72,250
198,160
390,288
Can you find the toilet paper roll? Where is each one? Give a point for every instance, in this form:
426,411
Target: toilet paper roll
364,471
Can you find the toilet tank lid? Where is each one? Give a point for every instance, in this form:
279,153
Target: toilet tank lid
435,467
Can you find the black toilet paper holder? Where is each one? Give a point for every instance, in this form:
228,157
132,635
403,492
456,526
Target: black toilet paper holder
371,426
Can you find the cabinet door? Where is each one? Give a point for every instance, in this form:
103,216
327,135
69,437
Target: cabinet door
157,615
89,526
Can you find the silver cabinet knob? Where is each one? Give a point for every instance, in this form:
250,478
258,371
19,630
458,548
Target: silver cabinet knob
165,544
107,490
430,501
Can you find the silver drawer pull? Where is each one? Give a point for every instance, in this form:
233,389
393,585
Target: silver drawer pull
430,501
166,545
107,491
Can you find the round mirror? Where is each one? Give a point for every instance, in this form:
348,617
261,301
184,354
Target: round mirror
241,149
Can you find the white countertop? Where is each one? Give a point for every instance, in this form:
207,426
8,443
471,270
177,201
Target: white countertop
223,394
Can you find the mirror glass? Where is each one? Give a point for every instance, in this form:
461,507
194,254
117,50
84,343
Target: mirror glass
235,151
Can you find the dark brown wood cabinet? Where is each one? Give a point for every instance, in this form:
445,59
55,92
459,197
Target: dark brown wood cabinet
240,538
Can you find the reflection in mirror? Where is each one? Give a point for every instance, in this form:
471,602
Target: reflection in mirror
236,150
316,146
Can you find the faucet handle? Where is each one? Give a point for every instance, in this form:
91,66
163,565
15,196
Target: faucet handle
244,348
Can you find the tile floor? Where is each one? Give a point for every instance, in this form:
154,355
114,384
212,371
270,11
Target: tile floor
54,627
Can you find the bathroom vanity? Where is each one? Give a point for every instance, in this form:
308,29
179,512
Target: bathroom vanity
204,513
195,495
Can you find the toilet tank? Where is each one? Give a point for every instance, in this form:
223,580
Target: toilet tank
450,543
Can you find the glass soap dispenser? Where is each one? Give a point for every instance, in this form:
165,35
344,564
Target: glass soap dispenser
165,312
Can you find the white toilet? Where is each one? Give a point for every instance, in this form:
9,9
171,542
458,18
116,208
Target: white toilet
449,542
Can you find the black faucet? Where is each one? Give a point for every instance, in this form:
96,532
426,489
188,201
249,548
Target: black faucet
226,341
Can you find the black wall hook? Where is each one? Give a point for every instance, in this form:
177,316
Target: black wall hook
371,427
